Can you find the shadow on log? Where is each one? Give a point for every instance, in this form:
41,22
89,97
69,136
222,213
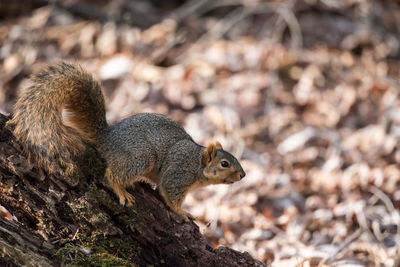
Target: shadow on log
56,223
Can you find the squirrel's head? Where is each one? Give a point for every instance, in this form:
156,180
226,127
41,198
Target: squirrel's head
221,167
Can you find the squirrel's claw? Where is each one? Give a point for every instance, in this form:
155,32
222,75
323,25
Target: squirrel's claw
127,200
187,216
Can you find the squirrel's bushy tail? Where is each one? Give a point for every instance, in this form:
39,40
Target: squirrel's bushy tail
57,115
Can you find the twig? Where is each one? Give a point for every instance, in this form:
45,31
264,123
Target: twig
345,244
294,26
196,8
285,12
224,25
189,9
388,203
362,219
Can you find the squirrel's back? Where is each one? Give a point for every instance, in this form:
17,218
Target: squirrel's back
141,140
57,115
157,129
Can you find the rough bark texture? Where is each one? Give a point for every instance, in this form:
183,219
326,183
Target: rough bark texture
57,223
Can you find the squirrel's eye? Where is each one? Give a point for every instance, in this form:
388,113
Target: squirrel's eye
224,163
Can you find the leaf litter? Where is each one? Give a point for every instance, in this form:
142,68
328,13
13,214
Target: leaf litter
306,93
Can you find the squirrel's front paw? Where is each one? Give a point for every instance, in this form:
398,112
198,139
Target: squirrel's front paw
127,200
187,216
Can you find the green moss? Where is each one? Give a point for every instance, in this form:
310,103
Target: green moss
128,219
117,246
72,179
97,250
89,213
97,259
101,197
97,208
128,216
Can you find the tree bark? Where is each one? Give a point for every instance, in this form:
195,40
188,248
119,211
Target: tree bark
58,223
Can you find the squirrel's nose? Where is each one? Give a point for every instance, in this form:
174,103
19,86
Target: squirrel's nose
242,174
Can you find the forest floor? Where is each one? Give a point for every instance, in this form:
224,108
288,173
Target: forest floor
305,93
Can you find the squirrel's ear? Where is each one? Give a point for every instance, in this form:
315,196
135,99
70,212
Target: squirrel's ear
209,153
218,145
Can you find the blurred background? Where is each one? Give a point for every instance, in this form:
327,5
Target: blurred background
305,93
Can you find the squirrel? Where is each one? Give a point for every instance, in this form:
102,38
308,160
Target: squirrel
64,110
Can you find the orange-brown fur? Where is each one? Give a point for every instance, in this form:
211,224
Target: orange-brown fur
38,122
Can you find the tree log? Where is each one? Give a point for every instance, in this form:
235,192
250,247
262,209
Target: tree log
60,223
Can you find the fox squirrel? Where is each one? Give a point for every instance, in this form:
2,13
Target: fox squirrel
64,110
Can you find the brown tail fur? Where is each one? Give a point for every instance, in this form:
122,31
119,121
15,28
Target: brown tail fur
63,109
